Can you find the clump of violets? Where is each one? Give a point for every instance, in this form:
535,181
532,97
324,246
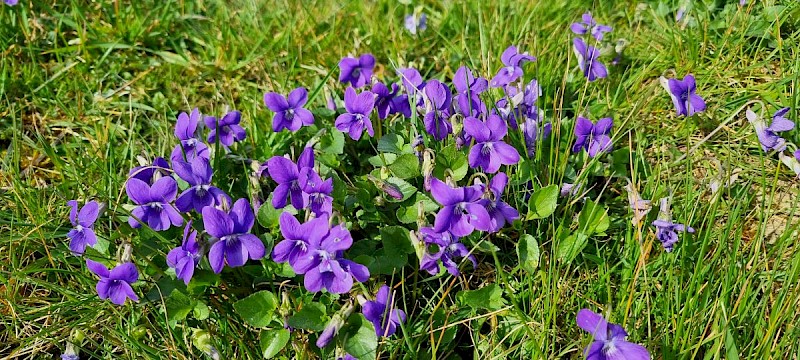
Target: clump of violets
588,61
512,70
382,313
289,111
666,230
226,129
489,151
590,26
185,258
356,71
82,233
115,284
231,240
684,95
768,133
442,248
609,339
356,119
154,203
594,137
461,211
186,130
415,24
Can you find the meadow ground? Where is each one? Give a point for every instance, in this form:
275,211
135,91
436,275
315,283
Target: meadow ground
87,87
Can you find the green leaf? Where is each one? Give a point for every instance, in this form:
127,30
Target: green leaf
268,215
383,159
543,202
332,143
200,311
406,166
391,143
488,297
593,218
569,248
258,309
528,253
408,214
310,317
273,341
405,188
395,240
361,341
450,160
387,263
178,305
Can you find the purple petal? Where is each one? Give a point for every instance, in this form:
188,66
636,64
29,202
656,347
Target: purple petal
275,102
216,222
593,323
242,215
298,97
126,272
216,256
89,212
98,269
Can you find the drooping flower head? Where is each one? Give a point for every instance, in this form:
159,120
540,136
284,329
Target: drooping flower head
414,24
289,112
82,233
356,71
382,313
324,268
356,119
190,145
437,109
533,132
469,88
593,137
588,60
226,129
390,101
500,212
185,258
442,247
319,191
461,212
666,230
200,193
768,134
489,151
609,339
684,96
116,283
232,242
297,239
287,174
589,25
154,203
512,69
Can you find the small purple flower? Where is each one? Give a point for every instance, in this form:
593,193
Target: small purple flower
499,212
767,134
357,71
227,128
468,88
326,269
489,151
185,258
358,107
287,174
390,101
289,112
414,24
11,2
587,55
298,239
82,233
232,242
666,230
588,25
442,247
437,109
382,313
683,94
461,211
319,192
200,193
115,284
792,162
512,70
190,145
151,173
154,203
593,137
609,339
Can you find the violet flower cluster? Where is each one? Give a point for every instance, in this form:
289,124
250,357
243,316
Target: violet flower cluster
588,55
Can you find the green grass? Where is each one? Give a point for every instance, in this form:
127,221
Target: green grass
86,88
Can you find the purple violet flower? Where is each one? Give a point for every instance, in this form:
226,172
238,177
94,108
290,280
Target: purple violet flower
116,283
468,88
289,112
11,2
587,55
666,230
82,233
227,128
151,173
461,211
414,24
390,101
437,109
609,339
382,313
489,151
593,137
200,193
154,203
190,145
512,70
767,134
499,211
326,269
356,71
298,239
185,258
232,241
319,192
588,25
287,174
446,250
683,94
358,107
